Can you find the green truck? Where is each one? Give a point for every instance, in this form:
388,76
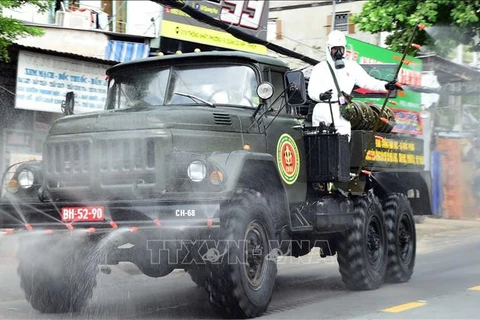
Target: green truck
207,162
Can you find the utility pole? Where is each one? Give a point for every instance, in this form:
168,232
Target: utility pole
334,2
334,13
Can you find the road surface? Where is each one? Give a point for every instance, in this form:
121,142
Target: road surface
446,284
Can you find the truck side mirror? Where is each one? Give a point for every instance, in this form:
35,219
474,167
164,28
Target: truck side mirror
296,92
68,104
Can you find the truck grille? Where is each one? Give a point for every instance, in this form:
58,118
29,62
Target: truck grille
104,162
126,161
71,160
222,118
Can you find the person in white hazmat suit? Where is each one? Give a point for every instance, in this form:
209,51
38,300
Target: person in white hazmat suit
322,88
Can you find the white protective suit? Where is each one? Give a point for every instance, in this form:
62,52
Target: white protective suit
321,80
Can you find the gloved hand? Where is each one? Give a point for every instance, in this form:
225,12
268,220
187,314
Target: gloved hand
327,95
392,85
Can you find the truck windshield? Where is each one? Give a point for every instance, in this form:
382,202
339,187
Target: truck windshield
219,85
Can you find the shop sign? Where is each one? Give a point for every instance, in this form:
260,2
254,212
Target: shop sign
249,16
43,80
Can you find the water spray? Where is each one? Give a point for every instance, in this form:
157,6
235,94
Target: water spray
380,118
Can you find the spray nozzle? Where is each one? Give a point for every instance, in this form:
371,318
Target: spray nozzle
421,26
416,46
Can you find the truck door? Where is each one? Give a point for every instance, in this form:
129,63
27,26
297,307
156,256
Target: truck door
285,141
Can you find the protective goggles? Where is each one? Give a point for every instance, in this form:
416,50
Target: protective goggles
334,50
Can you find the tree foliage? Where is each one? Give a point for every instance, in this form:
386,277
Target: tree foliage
449,22
12,29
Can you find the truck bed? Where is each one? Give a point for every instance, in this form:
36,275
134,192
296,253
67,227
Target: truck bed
388,151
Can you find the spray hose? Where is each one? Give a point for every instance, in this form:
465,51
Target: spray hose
380,119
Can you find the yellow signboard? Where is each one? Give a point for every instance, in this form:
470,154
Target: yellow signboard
394,151
181,31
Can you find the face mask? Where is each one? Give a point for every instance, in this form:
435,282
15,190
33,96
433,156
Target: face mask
338,58
339,64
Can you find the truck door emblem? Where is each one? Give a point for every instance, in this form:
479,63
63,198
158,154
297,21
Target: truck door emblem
288,158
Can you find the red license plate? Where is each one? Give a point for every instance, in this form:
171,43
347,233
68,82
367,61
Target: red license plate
94,213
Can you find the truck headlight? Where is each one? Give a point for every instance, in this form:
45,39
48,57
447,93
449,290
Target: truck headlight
26,178
197,170
265,90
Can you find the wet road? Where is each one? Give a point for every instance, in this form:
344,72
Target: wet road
446,284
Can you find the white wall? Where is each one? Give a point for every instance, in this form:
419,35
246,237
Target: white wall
304,29
83,42
284,3
28,13
139,15
91,4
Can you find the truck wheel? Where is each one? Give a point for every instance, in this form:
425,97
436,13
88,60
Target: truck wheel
401,237
56,273
198,275
240,282
362,251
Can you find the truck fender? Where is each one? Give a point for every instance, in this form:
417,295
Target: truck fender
257,172
417,186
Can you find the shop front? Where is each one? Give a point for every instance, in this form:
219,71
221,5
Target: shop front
32,87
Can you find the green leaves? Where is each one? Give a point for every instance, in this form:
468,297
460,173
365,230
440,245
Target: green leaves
12,29
460,21
42,5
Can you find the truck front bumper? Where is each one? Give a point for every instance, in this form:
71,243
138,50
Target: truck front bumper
116,214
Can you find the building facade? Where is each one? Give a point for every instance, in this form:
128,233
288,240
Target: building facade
32,87
303,26
72,55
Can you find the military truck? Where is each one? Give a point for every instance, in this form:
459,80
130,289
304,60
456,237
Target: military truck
208,162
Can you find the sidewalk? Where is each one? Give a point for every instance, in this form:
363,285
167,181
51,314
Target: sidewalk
433,226
437,234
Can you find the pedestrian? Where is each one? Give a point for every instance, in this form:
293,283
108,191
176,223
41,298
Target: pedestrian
334,76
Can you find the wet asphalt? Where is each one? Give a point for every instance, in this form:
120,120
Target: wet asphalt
446,284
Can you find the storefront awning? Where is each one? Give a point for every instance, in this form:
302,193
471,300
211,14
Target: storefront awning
126,51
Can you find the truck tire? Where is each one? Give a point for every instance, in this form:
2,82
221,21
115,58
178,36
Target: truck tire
362,251
56,274
240,283
401,237
198,275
